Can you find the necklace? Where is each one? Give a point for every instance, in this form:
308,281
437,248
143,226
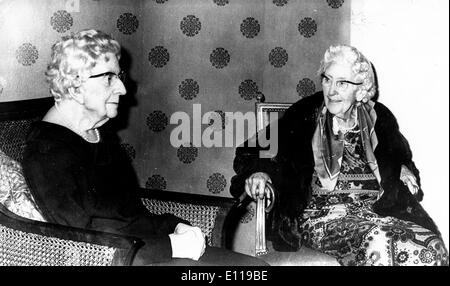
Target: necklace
71,127
339,124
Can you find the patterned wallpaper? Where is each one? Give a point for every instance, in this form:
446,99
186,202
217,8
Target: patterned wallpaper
214,54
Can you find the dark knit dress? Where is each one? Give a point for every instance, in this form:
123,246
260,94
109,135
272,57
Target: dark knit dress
91,186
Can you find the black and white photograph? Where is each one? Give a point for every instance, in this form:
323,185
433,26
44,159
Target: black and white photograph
246,134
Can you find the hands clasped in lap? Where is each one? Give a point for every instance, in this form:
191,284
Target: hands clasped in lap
187,242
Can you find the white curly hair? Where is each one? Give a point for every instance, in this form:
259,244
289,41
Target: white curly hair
73,58
361,67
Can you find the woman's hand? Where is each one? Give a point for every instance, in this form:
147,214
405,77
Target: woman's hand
409,180
187,242
255,185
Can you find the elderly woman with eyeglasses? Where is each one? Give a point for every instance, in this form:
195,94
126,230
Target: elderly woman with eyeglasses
79,176
76,173
344,177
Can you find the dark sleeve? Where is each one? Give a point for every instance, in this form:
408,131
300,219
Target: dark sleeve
397,145
117,185
248,159
154,230
409,163
57,186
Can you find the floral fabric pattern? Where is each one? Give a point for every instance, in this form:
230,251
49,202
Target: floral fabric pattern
342,223
14,192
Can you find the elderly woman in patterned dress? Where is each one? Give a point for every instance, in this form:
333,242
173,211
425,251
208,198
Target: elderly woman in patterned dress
345,181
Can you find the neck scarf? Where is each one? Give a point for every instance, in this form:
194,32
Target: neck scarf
328,143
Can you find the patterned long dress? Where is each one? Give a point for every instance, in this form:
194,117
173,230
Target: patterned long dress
342,223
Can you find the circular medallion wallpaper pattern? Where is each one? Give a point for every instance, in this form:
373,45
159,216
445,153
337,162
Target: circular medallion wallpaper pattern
158,56
157,121
280,3
129,150
216,183
61,21
307,27
27,54
127,23
188,89
221,2
278,57
250,27
219,58
187,154
190,25
335,4
305,87
248,89
156,182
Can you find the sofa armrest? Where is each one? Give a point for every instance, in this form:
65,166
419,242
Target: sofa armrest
209,213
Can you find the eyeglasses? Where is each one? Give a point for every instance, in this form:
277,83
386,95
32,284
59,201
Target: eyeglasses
341,85
111,76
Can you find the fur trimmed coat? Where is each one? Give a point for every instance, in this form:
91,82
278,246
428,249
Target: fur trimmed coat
291,171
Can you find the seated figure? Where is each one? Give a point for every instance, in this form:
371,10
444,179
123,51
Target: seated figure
344,179
74,167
